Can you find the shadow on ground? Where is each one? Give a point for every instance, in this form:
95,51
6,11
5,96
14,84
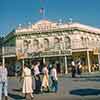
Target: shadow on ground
16,96
81,76
94,79
17,90
85,92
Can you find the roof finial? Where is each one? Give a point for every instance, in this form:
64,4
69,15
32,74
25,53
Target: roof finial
70,20
29,24
60,21
19,26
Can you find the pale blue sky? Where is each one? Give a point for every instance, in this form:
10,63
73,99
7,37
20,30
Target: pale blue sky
14,12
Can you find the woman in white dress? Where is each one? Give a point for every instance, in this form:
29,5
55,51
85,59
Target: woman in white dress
45,81
27,82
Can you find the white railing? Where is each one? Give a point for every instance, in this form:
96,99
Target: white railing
8,50
76,44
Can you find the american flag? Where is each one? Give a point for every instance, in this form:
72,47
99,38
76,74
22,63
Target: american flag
41,10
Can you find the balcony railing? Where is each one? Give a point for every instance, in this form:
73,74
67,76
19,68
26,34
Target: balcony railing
8,50
76,44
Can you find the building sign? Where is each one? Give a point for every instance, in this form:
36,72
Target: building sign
49,53
66,52
56,53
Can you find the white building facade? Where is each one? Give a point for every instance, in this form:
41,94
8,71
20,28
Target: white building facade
50,41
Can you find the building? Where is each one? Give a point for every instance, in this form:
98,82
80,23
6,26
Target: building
51,41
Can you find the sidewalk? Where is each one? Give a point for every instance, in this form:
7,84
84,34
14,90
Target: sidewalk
85,88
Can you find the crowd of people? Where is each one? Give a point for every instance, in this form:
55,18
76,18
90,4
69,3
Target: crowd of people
45,80
41,84
76,68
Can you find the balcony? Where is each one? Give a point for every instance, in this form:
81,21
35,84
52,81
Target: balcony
9,51
78,44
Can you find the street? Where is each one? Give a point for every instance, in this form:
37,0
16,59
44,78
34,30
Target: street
87,87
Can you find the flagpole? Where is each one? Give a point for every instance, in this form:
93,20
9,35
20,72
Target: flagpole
44,14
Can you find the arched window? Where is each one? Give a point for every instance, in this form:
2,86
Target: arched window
67,42
57,43
35,44
26,45
46,44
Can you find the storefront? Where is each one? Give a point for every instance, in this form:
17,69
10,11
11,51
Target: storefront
49,41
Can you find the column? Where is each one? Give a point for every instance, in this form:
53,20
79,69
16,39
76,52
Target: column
99,60
44,60
3,61
88,61
3,58
23,62
66,69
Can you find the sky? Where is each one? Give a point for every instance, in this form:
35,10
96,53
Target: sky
15,12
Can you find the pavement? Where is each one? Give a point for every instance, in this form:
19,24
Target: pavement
84,87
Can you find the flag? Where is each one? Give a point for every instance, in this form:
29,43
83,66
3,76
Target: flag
41,10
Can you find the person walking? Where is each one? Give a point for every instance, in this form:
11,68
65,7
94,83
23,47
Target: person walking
36,72
54,79
27,82
3,82
73,69
45,81
79,68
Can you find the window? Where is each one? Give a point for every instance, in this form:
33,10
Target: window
67,43
57,43
46,44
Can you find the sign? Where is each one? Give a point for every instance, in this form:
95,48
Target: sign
56,53
49,53
66,52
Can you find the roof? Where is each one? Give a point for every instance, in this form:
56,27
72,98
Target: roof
45,25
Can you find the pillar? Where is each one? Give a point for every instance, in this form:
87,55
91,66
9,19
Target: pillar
88,61
3,58
3,61
23,62
99,60
44,60
66,69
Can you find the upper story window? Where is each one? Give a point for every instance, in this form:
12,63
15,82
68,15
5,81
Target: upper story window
35,44
26,45
57,43
67,42
46,44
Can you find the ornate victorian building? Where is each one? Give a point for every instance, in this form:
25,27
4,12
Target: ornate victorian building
50,41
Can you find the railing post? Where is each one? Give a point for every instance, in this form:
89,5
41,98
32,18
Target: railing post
66,69
3,58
